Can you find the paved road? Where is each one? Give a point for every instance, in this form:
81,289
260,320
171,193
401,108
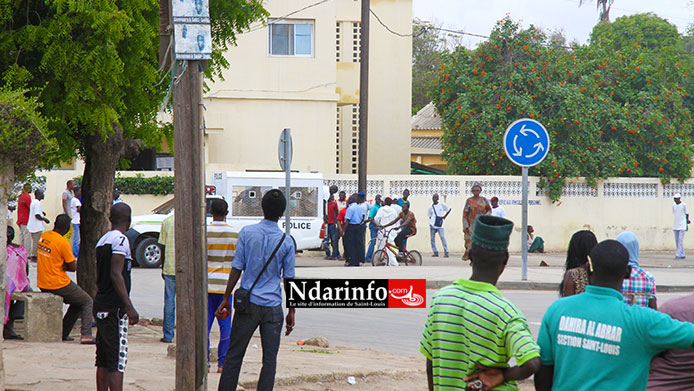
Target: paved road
388,330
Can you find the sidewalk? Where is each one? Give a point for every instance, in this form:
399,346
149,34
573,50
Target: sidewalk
670,275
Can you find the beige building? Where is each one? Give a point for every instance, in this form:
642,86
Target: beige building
425,144
302,72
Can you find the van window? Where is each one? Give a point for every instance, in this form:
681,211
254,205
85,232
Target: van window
246,201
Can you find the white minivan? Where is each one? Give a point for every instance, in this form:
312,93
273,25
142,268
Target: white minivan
243,191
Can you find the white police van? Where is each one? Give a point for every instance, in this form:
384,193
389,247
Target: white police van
243,191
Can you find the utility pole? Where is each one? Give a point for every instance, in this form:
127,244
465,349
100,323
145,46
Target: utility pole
190,230
364,94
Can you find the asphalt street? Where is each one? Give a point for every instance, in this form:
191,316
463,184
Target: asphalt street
389,330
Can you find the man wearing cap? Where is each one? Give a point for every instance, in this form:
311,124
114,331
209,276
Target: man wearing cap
680,225
472,330
354,216
497,210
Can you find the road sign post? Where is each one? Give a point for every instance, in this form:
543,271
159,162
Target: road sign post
526,143
285,152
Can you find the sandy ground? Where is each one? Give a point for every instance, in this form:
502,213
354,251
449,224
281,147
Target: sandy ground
70,366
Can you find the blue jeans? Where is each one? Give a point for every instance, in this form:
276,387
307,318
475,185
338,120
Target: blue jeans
270,320
372,243
76,240
169,307
433,231
334,241
213,301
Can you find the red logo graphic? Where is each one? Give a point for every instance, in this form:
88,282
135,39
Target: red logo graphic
407,293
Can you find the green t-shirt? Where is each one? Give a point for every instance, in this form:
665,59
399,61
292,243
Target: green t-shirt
596,342
373,210
470,322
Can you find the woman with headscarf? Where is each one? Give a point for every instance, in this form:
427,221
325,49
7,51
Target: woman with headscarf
577,267
17,280
474,206
639,288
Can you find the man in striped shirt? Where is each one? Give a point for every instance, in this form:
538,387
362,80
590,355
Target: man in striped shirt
472,331
221,245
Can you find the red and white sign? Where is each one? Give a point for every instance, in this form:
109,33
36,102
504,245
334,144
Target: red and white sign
407,293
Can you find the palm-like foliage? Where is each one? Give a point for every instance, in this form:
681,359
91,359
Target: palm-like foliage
603,6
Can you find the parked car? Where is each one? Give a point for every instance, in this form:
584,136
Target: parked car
144,234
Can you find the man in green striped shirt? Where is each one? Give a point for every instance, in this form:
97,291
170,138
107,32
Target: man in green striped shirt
472,331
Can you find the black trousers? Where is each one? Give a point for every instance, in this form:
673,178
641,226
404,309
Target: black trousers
80,306
353,238
270,320
402,236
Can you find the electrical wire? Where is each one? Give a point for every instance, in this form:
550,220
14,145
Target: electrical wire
389,29
286,16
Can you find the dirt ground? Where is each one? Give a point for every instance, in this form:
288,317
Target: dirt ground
68,366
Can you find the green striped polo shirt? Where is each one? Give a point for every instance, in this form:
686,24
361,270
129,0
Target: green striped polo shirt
471,323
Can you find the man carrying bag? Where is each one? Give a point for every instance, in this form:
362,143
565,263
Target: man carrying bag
437,213
265,255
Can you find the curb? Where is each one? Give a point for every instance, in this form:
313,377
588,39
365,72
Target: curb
550,286
331,377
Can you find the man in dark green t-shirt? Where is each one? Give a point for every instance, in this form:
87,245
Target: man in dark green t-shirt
593,341
472,331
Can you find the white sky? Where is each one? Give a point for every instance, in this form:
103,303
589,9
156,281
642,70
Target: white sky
479,17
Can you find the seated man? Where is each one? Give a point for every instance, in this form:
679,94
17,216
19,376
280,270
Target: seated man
54,258
472,331
408,223
594,341
535,243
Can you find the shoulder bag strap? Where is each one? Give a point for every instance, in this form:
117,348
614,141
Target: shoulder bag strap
434,208
268,262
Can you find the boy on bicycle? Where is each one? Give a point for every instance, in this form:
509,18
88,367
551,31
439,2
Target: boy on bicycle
408,223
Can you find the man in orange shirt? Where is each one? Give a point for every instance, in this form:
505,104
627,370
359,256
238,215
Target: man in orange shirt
54,258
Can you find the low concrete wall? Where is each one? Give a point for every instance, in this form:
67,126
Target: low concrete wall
55,185
641,205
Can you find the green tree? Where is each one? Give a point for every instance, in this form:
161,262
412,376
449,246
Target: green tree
609,113
427,46
96,66
25,144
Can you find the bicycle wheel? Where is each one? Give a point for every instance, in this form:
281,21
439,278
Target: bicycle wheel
414,258
380,258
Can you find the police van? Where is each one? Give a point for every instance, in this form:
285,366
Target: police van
243,191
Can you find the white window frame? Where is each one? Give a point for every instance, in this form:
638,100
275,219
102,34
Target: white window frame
310,22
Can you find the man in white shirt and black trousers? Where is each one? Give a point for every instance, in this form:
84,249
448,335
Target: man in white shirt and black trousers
680,225
437,213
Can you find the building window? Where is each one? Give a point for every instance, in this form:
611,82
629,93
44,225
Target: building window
355,137
356,41
291,38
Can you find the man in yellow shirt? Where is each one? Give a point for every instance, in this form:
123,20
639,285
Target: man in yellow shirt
54,258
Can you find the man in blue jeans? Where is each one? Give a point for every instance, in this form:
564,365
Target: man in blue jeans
373,229
255,245
168,273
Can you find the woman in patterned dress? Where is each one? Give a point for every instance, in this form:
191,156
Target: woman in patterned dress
474,206
577,267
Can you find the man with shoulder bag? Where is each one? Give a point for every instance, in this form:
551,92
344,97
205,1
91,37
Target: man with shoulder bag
437,213
265,255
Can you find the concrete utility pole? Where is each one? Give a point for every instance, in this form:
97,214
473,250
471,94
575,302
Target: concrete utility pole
364,94
190,230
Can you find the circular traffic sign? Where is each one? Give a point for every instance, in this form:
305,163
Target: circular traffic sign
526,142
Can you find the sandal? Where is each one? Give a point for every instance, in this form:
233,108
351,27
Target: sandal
88,341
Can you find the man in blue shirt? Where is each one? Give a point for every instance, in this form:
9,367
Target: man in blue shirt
373,229
594,341
353,232
255,245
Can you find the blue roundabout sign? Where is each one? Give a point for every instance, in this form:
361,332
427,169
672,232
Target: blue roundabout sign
526,142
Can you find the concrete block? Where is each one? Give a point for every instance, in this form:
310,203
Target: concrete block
43,316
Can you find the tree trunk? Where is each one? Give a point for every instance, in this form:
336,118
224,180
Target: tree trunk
6,179
101,159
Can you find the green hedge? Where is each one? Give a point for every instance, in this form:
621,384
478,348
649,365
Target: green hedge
139,184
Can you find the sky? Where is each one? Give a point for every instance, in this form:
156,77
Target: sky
479,17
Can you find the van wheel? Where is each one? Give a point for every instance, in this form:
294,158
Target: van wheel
149,253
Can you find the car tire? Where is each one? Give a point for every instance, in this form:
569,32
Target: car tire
149,253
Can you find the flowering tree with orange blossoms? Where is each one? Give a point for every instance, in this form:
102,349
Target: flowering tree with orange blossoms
609,112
